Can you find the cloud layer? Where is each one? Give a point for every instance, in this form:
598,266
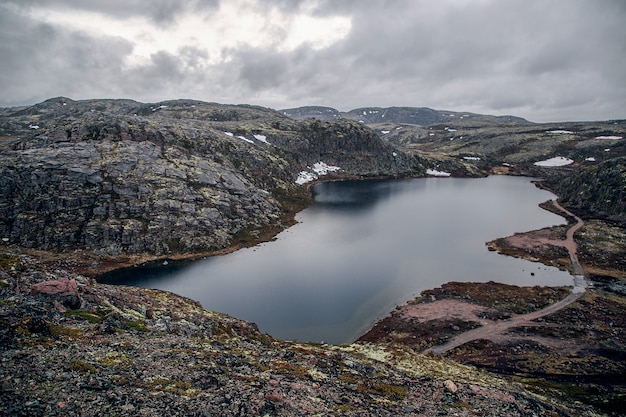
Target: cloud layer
543,60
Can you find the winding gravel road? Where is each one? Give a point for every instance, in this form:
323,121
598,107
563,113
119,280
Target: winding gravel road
494,329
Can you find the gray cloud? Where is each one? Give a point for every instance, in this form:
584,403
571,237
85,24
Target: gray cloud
159,11
556,60
40,60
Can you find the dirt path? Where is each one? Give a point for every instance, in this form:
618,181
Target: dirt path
569,242
494,329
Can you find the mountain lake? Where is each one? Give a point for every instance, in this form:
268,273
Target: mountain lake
362,248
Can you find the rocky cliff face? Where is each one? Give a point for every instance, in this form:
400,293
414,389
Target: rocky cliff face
118,176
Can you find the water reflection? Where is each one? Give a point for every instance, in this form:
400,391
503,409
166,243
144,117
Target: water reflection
354,196
364,247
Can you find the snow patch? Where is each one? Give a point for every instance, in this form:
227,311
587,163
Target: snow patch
471,158
436,173
384,132
557,161
394,154
305,177
228,133
34,126
590,159
562,132
319,168
609,137
261,138
322,168
246,139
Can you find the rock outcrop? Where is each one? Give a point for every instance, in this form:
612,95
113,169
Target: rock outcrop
121,177
598,191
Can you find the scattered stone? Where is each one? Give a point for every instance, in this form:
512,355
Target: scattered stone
450,386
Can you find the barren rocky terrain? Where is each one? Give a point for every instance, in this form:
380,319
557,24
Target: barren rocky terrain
93,185
73,347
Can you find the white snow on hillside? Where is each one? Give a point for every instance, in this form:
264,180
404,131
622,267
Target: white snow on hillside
562,132
261,138
305,177
609,137
471,158
557,161
322,168
34,127
319,168
436,173
384,132
228,133
245,138
590,159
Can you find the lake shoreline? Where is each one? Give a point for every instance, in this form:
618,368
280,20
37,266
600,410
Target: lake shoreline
86,262
521,355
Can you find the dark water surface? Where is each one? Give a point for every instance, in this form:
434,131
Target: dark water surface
364,247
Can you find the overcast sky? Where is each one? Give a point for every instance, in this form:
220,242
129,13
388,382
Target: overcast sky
546,60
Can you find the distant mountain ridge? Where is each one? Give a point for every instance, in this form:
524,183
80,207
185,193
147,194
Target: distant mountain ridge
422,116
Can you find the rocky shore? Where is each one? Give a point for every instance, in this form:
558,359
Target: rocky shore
73,347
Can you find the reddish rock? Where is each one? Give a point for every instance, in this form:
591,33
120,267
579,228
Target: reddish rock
60,287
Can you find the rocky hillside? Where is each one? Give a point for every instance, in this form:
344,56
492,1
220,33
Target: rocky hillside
72,347
117,177
517,146
581,161
598,191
